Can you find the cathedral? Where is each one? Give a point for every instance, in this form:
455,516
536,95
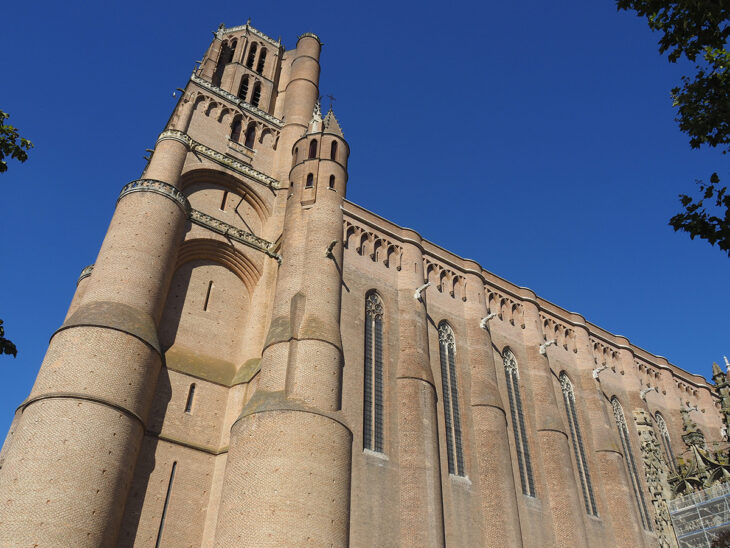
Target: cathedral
253,360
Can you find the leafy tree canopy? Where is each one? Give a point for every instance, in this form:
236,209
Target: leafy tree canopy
12,145
698,30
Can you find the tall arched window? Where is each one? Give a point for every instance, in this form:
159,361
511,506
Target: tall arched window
262,61
372,430
578,450
623,431
452,417
333,150
250,135
256,95
518,422
666,441
243,90
313,149
236,130
251,55
310,180
225,57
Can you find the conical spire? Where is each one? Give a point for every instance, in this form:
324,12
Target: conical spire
331,125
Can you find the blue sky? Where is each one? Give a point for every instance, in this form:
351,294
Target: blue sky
536,138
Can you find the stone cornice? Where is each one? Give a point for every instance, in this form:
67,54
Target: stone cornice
158,187
236,234
220,158
243,105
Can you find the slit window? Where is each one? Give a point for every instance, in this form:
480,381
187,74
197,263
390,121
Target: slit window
518,423
452,417
294,157
373,370
158,543
310,181
262,61
333,150
630,461
223,200
191,397
256,97
578,449
332,182
313,149
207,296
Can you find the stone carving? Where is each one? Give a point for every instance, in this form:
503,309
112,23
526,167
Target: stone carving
506,308
374,306
158,187
369,244
85,273
240,103
445,279
563,335
236,234
446,336
220,158
656,474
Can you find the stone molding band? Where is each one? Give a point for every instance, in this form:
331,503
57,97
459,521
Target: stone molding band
220,158
85,397
158,187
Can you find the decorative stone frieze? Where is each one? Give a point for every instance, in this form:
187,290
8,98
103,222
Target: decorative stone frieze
506,308
554,329
240,103
445,279
158,187
369,244
236,234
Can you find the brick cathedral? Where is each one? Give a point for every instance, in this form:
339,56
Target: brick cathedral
253,360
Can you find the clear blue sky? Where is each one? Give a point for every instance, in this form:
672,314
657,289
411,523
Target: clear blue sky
536,138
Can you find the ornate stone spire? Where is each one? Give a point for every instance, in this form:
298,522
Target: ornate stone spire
331,125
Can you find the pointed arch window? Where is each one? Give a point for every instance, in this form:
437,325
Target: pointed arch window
262,61
578,449
666,441
333,150
243,90
452,417
518,422
313,149
250,135
256,95
225,57
373,401
630,461
251,55
236,130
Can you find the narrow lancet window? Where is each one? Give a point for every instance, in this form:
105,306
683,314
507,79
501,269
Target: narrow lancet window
164,508
630,461
518,422
256,96
333,150
225,57
332,181
250,135
310,180
224,200
191,397
452,417
313,149
262,61
243,90
236,130
207,296
373,400
578,449
666,441
251,55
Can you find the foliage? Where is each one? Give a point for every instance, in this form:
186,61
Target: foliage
698,30
6,347
11,143
722,540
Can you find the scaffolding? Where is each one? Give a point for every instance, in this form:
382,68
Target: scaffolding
700,516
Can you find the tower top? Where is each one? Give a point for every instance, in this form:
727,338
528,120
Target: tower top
331,125
221,31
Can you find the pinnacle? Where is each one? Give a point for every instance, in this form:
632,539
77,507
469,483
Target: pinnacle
331,125
716,369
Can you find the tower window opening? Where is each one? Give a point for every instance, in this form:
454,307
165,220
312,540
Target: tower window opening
164,508
236,130
310,180
189,401
223,200
373,400
332,181
224,58
262,61
251,55
623,431
250,135
207,296
313,149
518,423
333,150
452,417
578,449
256,96
243,90
294,157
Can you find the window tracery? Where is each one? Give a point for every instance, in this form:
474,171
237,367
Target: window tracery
518,423
452,417
373,370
